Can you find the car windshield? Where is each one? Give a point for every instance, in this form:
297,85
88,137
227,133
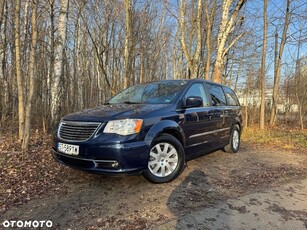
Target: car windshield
150,93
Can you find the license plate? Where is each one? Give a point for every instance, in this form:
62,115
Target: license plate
68,149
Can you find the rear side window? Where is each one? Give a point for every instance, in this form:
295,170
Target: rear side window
231,97
217,95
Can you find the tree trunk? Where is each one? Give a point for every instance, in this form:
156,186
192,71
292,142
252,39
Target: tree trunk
19,72
278,65
3,45
2,10
226,26
47,112
28,108
209,35
300,85
192,59
127,54
58,64
262,81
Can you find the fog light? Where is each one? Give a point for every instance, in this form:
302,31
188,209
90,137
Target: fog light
115,164
107,164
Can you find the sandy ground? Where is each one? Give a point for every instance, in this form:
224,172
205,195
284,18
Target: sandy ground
217,191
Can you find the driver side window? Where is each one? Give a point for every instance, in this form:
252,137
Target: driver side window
199,91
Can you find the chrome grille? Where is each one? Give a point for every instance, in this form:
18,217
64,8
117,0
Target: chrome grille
77,131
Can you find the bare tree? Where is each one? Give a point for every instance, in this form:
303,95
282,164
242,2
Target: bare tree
209,23
262,81
58,63
227,25
18,71
2,11
28,107
128,45
300,78
192,59
3,45
278,59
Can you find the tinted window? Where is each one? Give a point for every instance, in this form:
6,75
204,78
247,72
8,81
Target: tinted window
217,95
231,97
198,90
151,93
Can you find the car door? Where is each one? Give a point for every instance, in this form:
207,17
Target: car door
220,113
198,125
231,110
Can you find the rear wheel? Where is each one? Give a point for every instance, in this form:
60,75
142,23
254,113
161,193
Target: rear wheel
166,160
235,140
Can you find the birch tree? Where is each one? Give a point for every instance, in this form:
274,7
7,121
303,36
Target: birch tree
227,25
58,63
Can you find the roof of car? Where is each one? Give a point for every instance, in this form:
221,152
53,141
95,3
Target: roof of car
190,80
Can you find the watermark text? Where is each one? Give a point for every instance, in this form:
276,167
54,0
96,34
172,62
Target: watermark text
27,224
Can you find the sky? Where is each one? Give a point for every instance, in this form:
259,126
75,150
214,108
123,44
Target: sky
297,29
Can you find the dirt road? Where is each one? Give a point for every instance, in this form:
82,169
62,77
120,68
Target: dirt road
247,183
282,207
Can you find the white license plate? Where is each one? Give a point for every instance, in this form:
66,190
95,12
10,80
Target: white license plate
68,149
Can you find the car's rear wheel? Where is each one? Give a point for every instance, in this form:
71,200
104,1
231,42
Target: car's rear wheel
235,140
166,160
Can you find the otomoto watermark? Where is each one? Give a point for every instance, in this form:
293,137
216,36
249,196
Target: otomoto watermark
27,224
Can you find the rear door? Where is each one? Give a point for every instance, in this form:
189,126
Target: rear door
232,109
219,113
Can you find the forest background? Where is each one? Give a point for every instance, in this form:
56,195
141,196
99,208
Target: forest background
60,56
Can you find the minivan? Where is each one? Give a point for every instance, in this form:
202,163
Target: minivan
151,129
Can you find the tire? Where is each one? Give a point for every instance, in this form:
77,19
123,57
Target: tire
235,140
166,159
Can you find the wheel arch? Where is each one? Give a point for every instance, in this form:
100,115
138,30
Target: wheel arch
165,127
238,123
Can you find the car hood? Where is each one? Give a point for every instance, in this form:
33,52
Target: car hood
113,111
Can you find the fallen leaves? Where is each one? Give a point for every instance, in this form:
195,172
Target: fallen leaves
261,176
27,175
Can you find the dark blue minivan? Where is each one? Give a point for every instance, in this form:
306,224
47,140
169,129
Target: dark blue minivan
151,128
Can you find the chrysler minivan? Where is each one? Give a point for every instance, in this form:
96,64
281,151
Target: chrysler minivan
151,129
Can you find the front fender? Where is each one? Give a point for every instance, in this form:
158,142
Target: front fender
165,126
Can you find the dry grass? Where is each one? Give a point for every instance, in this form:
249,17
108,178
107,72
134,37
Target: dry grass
286,138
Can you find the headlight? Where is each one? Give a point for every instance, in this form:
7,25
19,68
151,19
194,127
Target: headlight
124,127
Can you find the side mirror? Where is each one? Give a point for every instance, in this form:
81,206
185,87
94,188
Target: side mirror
193,101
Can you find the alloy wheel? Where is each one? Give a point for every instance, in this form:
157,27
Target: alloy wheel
163,159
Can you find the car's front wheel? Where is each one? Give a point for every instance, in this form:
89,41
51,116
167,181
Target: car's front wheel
166,159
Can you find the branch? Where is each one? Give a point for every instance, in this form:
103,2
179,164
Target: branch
232,43
234,15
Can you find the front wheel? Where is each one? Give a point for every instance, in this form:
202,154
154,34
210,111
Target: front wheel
166,160
235,140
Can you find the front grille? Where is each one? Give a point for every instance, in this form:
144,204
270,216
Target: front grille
77,131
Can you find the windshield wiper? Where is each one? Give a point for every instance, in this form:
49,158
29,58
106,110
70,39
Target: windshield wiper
131,102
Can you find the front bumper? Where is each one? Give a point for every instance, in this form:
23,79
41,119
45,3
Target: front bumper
124,158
